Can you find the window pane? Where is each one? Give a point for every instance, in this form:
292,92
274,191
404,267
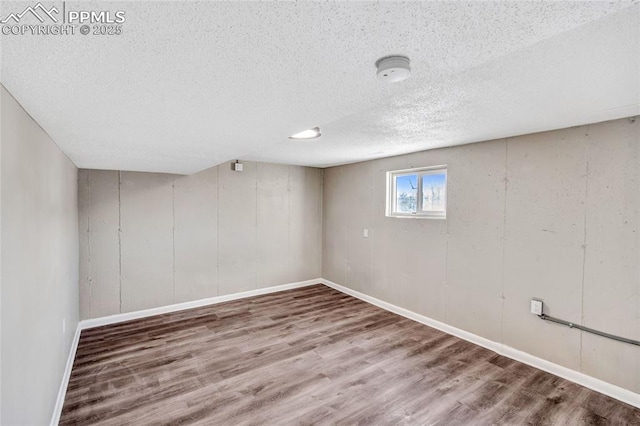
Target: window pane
406,193
434,195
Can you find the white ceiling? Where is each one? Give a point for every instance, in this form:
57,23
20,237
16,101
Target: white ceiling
189,85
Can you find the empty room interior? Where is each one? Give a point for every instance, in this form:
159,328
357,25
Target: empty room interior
288,213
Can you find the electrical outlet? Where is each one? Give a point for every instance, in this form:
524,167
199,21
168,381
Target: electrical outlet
536,307
365,233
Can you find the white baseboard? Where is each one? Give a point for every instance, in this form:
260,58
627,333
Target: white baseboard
113,319
57,410
592,383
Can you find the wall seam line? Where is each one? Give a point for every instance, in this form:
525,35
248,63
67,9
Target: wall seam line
120,237
289,251
89,245
584,243
218,231
372,217
173,236
504,234
255,235
321,222
322,239
446,256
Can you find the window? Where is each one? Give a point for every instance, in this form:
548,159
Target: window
417,192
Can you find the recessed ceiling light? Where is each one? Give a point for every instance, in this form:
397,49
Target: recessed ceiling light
307,134
393,69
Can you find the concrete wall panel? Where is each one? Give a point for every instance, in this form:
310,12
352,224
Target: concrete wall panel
305,223
612,259
475,225
103,226
545,234
195,236
84,278
237,231
272,223
358,182
334,258
146,240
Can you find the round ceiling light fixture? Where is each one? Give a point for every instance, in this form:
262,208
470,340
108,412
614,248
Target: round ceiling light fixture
307,134
393,69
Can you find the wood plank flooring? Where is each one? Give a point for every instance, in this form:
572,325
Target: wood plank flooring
311,356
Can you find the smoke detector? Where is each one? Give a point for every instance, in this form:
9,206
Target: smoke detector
393,69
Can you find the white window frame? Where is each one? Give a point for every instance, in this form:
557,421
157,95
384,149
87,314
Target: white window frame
391,210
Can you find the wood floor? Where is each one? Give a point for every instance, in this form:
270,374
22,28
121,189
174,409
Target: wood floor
311,356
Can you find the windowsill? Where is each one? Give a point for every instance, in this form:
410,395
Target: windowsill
415,216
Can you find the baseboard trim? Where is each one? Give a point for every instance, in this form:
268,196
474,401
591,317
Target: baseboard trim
62,391
590,382
114,319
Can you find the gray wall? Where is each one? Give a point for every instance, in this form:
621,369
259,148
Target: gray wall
39,267
552,215
185,238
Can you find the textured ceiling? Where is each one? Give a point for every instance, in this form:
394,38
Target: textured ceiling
189,85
